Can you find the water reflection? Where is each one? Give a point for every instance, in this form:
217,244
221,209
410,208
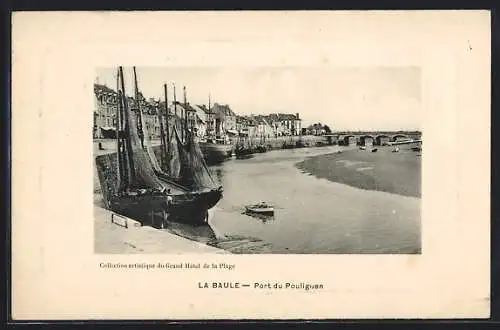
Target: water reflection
201,233
247,156
262,217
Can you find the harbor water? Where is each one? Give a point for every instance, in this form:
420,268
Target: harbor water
312,214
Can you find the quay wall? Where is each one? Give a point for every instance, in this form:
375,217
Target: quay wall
272,143
106,167
275,143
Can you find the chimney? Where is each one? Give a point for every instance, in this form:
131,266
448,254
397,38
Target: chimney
297,116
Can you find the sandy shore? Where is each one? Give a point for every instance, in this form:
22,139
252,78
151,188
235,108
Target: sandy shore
397,173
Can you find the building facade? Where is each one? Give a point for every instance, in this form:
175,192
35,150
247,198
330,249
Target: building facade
200,121
105,108
105,113
225,119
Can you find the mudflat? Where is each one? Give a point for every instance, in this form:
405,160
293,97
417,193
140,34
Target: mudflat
384,170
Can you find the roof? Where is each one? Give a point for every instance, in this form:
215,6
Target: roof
246,120
261,120
287,116
224,109
204,108
189,107
103,89
178,106
147,107
199,112
272,117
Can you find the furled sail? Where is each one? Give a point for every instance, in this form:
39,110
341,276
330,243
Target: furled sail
144,171
164,173
148,147
173,166
195,173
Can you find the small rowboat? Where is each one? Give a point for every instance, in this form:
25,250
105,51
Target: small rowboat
260,208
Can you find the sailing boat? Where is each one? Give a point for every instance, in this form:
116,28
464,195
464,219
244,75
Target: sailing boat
128,182
214,150
182,170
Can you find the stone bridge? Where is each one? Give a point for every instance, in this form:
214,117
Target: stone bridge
370,138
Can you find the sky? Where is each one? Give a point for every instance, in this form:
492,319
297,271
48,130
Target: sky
342,98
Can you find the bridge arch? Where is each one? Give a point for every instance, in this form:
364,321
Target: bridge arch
382,139
398,137
349,139
367,140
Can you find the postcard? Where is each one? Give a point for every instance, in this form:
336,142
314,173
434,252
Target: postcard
250,165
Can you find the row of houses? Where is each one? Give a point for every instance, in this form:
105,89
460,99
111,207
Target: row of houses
106,109
217,120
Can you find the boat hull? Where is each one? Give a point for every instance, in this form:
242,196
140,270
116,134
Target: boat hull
193,208
215,153
141,208
260,211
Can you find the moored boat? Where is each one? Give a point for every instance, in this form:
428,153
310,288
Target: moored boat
243,151
261,148
260,208
128,184
183,170
136,185
214,147
215,151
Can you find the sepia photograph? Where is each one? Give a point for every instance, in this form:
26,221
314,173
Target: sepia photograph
171,165
299,160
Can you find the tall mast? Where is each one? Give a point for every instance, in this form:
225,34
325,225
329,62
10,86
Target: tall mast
118,127
210,113
140,118
162,133
166,119
175,108
185,115
128,145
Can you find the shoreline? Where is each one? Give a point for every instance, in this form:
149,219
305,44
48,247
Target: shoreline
394,173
